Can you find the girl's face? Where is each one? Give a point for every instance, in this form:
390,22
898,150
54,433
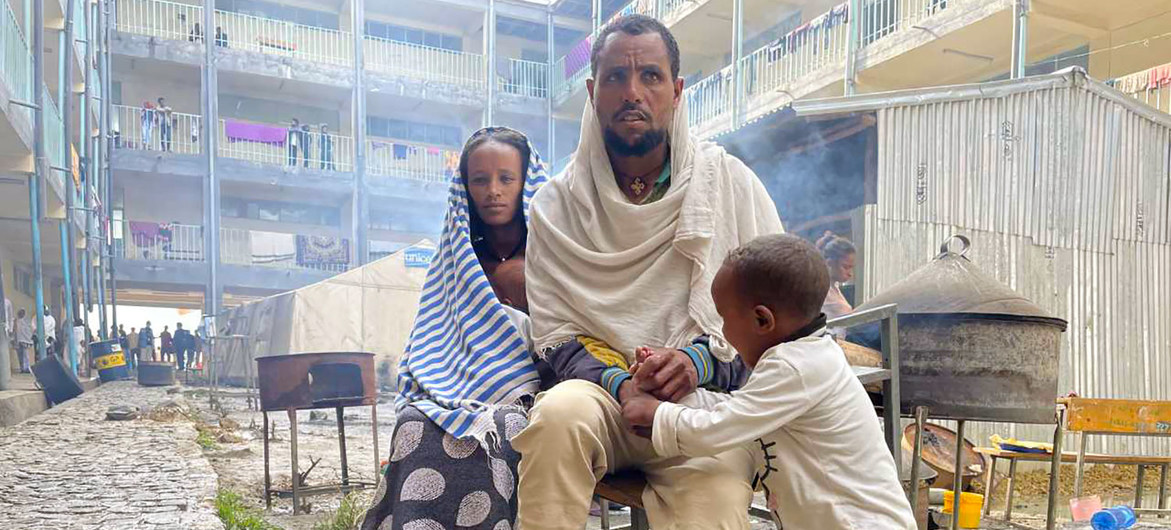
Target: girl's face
495,182
842,270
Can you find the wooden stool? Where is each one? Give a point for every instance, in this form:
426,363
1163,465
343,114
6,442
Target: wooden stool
624,487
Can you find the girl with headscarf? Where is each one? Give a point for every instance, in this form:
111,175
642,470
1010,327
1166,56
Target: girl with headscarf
467,376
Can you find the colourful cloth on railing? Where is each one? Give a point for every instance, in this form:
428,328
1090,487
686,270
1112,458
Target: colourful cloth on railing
146,234
789,42
400,151
322,250
239,131
578,57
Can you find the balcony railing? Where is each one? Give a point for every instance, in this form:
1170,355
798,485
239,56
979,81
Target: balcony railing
159,18
778,66
571,71
710,99
424,63
150,241
881,18
54,129
525,78
1151,86
16,62
270,144
151,129
278,37
390,159
283,251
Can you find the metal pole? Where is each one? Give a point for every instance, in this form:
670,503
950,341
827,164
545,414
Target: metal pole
65,87
211,212
108,139
97,170
958,480
737,63
360,204
854,20
490,58
1019,38
5,359
39,167
1055,470
596,14
85,156
551,47
916,457
341,441
293,449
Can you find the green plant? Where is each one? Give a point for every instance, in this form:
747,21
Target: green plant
236,515
206,439
348,515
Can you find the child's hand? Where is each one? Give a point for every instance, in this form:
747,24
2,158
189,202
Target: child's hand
639,412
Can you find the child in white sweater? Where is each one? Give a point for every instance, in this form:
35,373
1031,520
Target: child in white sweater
817,438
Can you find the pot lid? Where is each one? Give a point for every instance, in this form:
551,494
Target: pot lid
951,283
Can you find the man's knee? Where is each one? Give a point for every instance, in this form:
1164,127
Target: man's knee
567,412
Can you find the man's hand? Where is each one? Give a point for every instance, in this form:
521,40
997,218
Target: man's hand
639,412
665,373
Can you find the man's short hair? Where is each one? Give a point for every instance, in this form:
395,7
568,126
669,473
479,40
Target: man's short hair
783,272
635,24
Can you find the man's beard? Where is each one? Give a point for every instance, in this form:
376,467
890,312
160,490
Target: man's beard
646,143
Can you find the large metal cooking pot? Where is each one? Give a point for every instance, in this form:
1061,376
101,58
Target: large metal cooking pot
970,347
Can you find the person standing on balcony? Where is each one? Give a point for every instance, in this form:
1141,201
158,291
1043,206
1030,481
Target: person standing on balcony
221,37
326,143
623,247
306,139
148,121
166,127
294,141
196,34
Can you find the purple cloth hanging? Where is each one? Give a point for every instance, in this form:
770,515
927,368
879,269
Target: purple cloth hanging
238,131
578,57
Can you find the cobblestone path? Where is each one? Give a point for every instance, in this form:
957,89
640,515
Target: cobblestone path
69,467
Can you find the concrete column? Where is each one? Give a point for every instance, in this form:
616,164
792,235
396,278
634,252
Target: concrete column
737,66
360,203
1020,37
551,155
40,165
490,61
211,203
854,29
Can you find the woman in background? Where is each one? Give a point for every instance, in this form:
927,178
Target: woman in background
839,256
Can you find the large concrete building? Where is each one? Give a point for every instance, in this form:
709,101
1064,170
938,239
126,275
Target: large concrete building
207,196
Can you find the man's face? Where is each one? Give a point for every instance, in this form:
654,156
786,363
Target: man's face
634,94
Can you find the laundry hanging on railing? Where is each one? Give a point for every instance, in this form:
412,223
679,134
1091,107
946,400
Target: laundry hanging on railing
240,131
271,247
314,251
807,33
1152,78
146,234
578,57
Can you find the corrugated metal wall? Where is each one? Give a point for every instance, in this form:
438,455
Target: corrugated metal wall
1066,195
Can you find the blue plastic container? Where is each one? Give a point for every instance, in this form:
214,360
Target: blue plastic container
1114,518
110,361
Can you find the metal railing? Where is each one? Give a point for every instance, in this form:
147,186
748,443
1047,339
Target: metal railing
1151,86
710,99
159,18
881,18
387,158
146,241
240,246
424,63
142,129
54,129
287,39
312,151
525,78
16,62
778,66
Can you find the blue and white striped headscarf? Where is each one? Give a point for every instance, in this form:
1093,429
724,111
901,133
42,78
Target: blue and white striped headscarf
465,358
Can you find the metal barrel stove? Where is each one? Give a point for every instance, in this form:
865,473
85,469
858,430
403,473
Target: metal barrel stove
110,360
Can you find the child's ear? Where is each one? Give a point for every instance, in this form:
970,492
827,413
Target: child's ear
766,322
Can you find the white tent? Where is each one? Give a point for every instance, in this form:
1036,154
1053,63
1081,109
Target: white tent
370,309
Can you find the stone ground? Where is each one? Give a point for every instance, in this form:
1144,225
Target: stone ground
69,467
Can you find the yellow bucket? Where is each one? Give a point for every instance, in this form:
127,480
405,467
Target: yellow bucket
971,504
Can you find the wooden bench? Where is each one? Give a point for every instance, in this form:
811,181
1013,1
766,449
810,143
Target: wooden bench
624,487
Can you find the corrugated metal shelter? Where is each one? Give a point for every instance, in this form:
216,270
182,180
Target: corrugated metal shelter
1062,183
370,308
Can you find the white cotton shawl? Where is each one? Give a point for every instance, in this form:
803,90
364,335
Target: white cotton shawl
634,275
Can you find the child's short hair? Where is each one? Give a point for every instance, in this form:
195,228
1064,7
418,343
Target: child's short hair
781,271
508,282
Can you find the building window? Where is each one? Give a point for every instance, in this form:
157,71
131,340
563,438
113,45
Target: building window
409,131
296,15
395,33
283,212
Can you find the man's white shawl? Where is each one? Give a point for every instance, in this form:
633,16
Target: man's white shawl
639,275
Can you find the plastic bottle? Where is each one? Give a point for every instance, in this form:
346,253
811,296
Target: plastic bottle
1114,518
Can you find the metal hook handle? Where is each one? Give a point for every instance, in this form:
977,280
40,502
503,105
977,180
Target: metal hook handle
945,248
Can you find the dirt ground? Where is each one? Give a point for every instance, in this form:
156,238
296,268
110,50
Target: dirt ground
238,457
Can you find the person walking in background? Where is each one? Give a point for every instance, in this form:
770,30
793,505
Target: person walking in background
839,256
24,340
184,346
148,121
167,343
294,141
326,143
146,341
166,128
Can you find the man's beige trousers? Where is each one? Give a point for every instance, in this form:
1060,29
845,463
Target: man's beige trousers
576,435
